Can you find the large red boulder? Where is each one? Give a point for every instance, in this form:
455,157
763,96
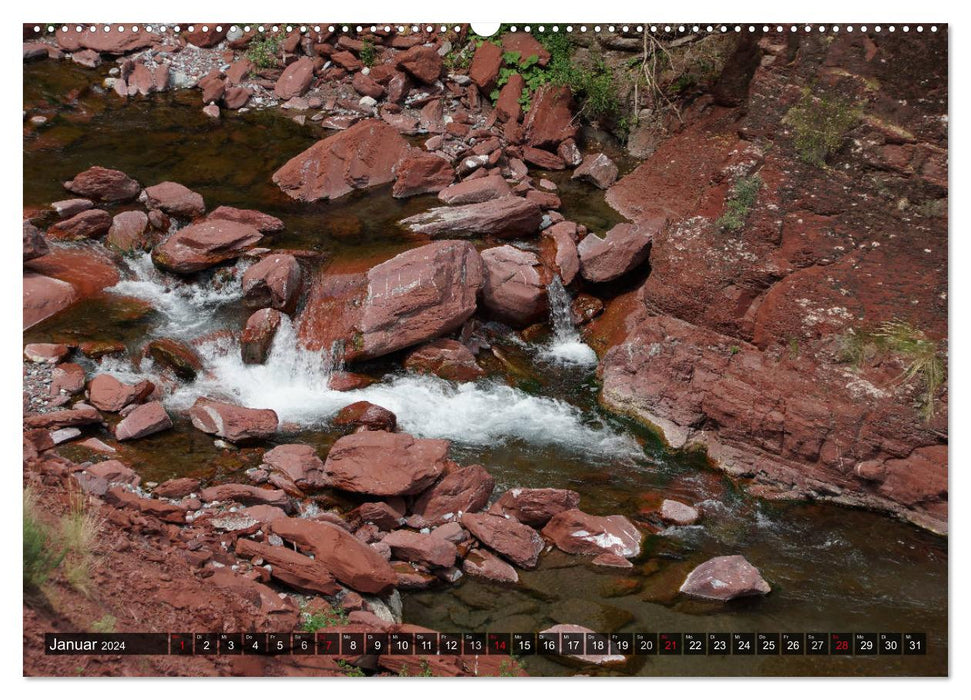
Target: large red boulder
44,296
725,578
257,337
506,217
144,420
597,169
518,543
605,259
203,245
421,173
476,190
88,224
274,281
104,184
174,199
106,393
127,231
535,507
484,70
464,490
678,513
560,250
293,569
105,39
361,156
234,423
484,564
576,532
508,107
299,463
550,118
419,548
175,356
245,494
264,223
526,45
379,463
295,79
352,562
514,289
445,358
422,62
364,414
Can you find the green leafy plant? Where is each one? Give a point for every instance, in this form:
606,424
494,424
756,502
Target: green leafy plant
325,618
820,124
264,52
105,625
349,670
367,54
41,554
741,199
920,355
510,668
425,670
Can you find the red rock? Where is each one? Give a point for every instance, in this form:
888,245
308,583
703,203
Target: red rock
46,352
245,494
211,111
597,659
422,62
352,562
263,514
213,88
464,490
141,79
385,464
518,543
299,462
282,613
108,394
566,259
87,224
431,117
612,560
34,243
535,507
545,200
177,488
234,423
485,564
68,378
45,296
111,41
174,199
167,512
257,337
295,80
725,578
264,223
366,86
544,160
550,118
104,184
421,173
66,208
508,108
514,290
115,472
445,358
368,415
176,356
477,190
379,514
484,69
346,60
597,169
622,249
236,97
77,416
362,156
398,87
526,45
274,281
204,244
678,513
34,50
127,231
296,570
238,71
506,217
348,381
205,36
421,549
146,419
576,532
86,58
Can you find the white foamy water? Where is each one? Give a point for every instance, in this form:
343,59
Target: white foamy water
186,306
566,346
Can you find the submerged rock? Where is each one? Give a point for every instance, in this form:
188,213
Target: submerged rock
725,578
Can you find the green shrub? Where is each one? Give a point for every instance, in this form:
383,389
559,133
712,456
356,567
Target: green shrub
820,124
740,201
367,54
320,620
264,52
41,554
349,670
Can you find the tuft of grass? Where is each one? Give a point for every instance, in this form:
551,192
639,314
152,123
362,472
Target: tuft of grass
41,553
78,535
425,670
368,53
349,670
105,625
510,668
264,52
820,124
920,355
740,201
321,620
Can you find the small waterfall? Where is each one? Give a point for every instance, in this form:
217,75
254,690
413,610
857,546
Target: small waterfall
566,346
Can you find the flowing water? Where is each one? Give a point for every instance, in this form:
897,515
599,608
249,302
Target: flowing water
534,422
